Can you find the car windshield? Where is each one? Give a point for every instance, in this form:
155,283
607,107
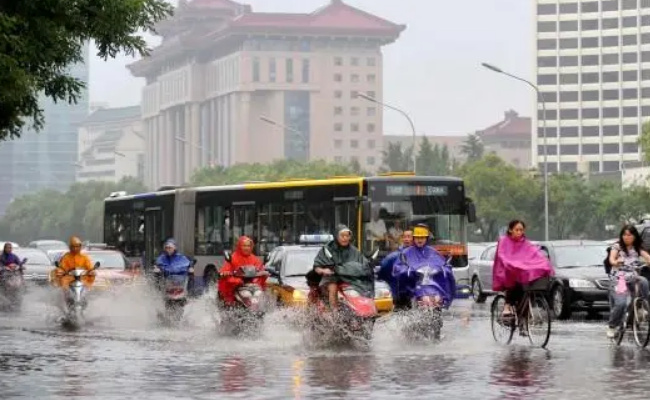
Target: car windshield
34,257
107,260
474,251
579,256
299,262
52,246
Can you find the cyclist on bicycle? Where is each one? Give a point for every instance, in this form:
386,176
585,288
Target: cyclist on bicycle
624,255
517,262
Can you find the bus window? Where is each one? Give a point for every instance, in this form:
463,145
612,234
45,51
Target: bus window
318,218
346,213
243,221
210,229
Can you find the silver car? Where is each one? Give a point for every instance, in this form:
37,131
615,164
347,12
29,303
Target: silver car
462,274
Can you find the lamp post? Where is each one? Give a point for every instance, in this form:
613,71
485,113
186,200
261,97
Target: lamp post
541,98
290,129
373,100
199,147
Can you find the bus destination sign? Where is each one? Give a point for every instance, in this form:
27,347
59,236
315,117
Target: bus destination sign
416,190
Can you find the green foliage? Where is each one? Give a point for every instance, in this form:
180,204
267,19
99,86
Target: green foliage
396,159
51,214
40,40
473,148
644,140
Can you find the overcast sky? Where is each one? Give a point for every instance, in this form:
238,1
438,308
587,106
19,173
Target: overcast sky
432,71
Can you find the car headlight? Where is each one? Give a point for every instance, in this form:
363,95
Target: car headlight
581,283
382,294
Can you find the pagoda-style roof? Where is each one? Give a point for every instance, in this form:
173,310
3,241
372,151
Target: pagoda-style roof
234,19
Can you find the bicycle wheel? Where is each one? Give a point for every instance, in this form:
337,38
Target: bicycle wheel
641,323
538,320
502,329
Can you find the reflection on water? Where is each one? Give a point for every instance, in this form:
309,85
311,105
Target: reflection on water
338,374
522,372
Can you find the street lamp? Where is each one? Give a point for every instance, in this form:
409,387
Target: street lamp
541,98
117,153
290,129
197,146
373,100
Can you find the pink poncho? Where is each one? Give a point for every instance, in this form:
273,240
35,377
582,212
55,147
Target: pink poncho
518,262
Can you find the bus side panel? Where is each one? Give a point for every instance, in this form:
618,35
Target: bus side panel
184,220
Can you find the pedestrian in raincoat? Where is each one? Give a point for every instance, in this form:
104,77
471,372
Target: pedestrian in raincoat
241,257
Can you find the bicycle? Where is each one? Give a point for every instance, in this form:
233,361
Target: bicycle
635,304
532,312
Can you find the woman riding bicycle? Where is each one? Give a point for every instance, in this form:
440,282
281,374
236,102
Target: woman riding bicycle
517,262
623,256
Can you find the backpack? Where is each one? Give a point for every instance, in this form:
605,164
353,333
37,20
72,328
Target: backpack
645,237
606,263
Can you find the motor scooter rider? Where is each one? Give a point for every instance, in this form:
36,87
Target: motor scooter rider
171,261
8,259
385,272
73,259
342,252
241,257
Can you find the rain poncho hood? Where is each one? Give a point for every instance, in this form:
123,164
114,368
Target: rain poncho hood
227,285
238,258
175,264
442,283
518,261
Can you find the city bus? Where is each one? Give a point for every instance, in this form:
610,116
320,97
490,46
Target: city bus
205,221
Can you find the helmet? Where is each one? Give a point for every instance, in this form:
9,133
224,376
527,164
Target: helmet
74,242
421,230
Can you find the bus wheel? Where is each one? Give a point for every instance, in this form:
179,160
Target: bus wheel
210,277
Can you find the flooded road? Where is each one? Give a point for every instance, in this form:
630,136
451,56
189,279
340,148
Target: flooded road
125,354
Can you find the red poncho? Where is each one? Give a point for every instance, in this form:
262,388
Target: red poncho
227,284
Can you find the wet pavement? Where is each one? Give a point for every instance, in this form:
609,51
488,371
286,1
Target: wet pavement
125,354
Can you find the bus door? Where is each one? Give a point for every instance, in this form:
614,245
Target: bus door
153,234
242,220
345,212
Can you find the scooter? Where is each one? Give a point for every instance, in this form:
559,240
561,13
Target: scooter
12,285
75,298
355,317
175,292
246,315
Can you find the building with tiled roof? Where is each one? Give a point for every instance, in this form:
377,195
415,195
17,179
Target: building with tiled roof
111,145
510,139
221,67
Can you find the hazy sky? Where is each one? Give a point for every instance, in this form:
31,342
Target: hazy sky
432,71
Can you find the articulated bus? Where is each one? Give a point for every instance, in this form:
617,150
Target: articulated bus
205,221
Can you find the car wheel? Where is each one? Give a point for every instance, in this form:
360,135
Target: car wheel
477,292
561,308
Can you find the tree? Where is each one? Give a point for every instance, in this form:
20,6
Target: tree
39,41
473,148
433,161
568,210
397,160
644,140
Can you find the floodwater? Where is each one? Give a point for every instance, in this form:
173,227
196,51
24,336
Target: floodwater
126,354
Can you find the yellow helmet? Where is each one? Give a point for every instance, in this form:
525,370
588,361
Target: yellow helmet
74,241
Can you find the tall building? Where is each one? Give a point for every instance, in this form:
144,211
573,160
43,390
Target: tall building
45,159
593,69
229,85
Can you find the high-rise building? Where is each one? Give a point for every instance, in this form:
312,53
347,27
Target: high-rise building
229,85
45,159
593,69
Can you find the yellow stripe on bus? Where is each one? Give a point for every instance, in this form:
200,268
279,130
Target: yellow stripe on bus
305,183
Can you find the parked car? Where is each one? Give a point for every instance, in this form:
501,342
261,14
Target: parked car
37,267
47,245
462,273
13,244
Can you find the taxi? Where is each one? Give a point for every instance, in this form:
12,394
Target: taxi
290,264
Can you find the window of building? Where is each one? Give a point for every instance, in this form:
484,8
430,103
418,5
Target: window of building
289,70
370,127
630,148
589,6
611,94
568,8
354,127
354,78
371,78
645,20
629,76
590,60
569,61
569,96
546,9
568,131
610,130
630,112
551,131
370,160
610,76
354,61
645,75
589,25
551,150
371,61
629,22
611,166
629,5
610,23
594,166
590,95
568,43
645,38
371,144
549,97
589,77
610,41
272,70
354,94
371,94
631,93
630,58
338,78
589,42
354,144
569,149
590,131
610,5
628,40
338,143
338,110
550,114
568,167
354,111
568,79
371,111
338,127
338,94
610,112
645,93
568,26
609,59
570,113
256,69
547,79
611,148
338,159
588,113
305,70
546,44
630,129
338,61
645,111
546,26
354,159
547,61
590,149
